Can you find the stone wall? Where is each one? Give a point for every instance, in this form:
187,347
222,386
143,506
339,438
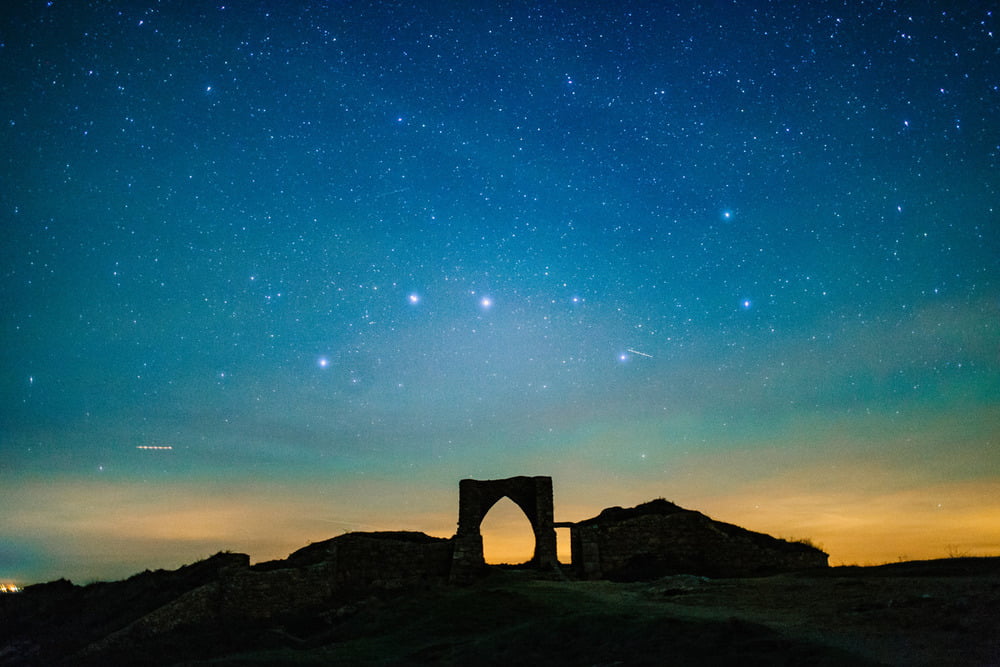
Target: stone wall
310,580
660,538
387,560
343,565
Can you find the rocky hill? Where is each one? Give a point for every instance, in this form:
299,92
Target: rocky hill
915,614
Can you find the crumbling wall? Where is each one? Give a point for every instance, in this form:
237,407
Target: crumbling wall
310,579
678,541
369,560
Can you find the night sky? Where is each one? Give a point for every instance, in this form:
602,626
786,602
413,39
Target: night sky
278,270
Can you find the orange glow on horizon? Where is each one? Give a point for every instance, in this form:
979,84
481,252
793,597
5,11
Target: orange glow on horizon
110,531
508,538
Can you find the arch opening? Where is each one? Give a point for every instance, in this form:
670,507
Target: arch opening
507,534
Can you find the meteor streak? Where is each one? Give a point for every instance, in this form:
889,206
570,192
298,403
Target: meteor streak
641,354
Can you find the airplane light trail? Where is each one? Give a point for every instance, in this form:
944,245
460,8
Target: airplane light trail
641,354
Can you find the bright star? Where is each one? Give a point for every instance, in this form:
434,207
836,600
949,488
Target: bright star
414,299
746,304
486,302
323,362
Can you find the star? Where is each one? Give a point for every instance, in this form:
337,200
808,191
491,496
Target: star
413,298
323,362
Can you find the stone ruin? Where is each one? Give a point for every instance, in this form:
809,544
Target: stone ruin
644,542
659,538
651,540
475,499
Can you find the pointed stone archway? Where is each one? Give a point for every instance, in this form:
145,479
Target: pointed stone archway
477,496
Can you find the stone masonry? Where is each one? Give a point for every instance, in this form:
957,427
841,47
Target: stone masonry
659,538
476,497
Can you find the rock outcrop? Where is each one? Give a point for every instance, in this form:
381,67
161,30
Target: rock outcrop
221,596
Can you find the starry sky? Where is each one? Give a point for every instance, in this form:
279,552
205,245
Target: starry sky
273,271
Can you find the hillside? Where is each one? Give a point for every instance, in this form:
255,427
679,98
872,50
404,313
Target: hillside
926,613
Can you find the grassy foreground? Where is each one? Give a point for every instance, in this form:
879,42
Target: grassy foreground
922,613
935,614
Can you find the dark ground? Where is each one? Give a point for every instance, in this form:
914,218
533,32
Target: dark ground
922,613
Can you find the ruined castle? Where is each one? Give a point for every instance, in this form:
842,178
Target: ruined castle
651,540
